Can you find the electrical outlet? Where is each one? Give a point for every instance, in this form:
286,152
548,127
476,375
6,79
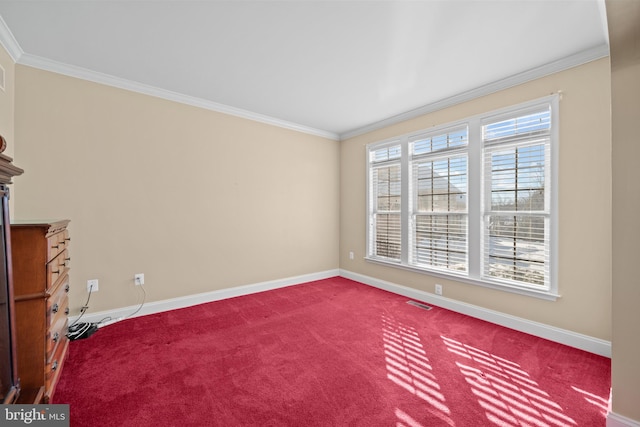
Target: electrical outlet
92,285
351,255
438,289
138,279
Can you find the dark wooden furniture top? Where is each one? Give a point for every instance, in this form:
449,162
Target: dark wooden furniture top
9,377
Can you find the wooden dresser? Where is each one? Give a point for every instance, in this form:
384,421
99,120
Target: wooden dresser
41,285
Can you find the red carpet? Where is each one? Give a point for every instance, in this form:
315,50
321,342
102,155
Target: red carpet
327,353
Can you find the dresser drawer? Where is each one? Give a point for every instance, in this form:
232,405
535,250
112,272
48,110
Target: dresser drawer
54,366
57,267
56,355
57,330
58,300
56,244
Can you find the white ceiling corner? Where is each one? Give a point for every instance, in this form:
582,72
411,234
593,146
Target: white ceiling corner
9,42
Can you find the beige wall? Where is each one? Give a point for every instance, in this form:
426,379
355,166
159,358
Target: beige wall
196,200
201,201
623,18
584,204
7,100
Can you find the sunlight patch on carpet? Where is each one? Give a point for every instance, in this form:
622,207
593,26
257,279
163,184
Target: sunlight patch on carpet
597,401
408,367
506,392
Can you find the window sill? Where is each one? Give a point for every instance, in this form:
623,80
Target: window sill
536,293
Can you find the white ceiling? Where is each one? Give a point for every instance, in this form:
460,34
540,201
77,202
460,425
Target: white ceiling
334,68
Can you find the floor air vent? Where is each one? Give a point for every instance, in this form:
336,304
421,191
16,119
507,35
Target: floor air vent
419,304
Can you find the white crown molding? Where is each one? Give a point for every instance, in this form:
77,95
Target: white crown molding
563,336
191,300
17,54
9,42
106,79
571,61
15,51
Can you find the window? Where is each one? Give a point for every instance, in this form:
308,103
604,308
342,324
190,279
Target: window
516,216
386,197
471,200
438,168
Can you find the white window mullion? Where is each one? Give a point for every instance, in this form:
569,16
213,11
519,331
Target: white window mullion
475,198
552,181
405,225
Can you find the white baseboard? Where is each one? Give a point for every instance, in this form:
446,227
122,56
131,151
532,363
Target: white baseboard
615,420
563,336
190,300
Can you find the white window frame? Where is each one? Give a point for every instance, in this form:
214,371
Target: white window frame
445,153
372,208
476,197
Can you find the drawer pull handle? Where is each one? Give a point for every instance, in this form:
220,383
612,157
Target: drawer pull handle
66,287
55,247
54,365
56,337
67,259
56,271
66,311
55,308
68,239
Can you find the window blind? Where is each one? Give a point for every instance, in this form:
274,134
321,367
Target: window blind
516,216
439,200
385,220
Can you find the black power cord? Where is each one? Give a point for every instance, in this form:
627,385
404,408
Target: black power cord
82,330
79,330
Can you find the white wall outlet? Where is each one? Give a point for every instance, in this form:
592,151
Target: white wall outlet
138,279
351,255
92,285
438,289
